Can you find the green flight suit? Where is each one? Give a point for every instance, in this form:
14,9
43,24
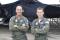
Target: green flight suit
40,29
19,27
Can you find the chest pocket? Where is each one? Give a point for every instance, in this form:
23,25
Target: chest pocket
42,24
19,22
39,24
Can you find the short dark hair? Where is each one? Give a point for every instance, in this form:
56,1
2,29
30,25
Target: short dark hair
40,8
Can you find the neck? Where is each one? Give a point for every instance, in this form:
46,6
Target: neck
40,17
18,16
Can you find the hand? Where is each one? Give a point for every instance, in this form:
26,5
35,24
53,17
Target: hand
15,26
37,30
23,26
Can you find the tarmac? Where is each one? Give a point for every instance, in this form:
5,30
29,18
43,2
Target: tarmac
5,34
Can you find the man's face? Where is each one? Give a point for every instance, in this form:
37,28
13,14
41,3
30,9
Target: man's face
40,13
19,10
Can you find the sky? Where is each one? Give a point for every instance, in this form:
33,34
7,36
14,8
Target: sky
50,1
43,1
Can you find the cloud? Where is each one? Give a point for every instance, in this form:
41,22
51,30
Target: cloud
50,1
7,1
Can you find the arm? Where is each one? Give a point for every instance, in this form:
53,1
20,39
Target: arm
33,27
25,25
36,29
11,24
45,29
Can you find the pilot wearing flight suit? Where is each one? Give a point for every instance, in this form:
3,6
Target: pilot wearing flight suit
18,25
40,26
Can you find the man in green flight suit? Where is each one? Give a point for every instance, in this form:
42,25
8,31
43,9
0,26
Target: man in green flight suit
40,26
18,25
